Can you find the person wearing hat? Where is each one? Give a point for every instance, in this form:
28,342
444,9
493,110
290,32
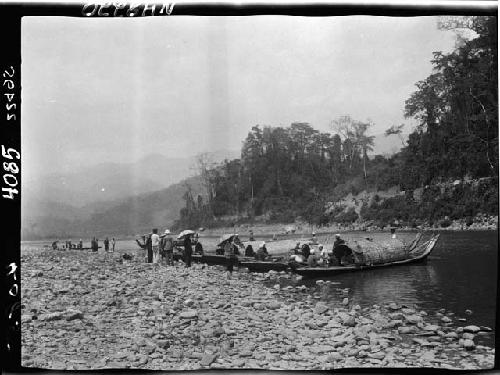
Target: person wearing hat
167,247
314,240
338,241
338,251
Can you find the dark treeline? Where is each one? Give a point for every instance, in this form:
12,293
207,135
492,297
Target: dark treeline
290,172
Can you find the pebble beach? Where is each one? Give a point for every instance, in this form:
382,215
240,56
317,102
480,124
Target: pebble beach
84,310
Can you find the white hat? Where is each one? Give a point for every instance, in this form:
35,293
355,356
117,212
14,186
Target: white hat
337,235
167,231
312,251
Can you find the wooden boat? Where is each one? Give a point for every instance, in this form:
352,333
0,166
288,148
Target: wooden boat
415,252
263,265
248,262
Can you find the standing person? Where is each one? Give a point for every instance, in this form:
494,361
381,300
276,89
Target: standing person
149,248
188,250
250,236
106,244
230,255
113,243
155,244
94,245
80,244
168,247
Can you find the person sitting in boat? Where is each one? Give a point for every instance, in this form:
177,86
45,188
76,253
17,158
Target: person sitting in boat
54,245
249,251
324,254
262,253
296,249
311,260
338,241
306,250
264,248
219,250
198,247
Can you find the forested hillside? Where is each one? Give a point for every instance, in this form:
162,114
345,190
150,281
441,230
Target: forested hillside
285,173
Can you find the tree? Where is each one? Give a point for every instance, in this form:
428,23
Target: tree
396,130
457,106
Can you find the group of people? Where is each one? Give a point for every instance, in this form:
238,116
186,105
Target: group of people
94,244
160,248
336,256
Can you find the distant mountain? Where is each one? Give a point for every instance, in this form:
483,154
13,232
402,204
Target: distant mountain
128,216
90,185
109,196
139,214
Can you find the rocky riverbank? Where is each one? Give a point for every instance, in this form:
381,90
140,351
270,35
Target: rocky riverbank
94,311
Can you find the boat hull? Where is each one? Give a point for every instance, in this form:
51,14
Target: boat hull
263,266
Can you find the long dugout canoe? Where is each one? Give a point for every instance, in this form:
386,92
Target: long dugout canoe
415,252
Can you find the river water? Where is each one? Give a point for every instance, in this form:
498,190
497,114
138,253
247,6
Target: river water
459,275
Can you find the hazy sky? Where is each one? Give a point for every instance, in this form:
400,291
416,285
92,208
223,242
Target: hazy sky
118,89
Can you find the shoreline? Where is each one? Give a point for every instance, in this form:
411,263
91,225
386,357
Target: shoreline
95,311
483,223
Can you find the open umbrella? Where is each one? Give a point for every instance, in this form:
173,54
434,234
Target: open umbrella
185,233
225,238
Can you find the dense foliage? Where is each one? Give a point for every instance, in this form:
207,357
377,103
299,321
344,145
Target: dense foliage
290,172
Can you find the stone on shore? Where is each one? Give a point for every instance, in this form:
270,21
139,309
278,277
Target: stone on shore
89,312
472,329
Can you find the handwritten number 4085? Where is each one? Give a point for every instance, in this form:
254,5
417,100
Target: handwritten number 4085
10,178
9,83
